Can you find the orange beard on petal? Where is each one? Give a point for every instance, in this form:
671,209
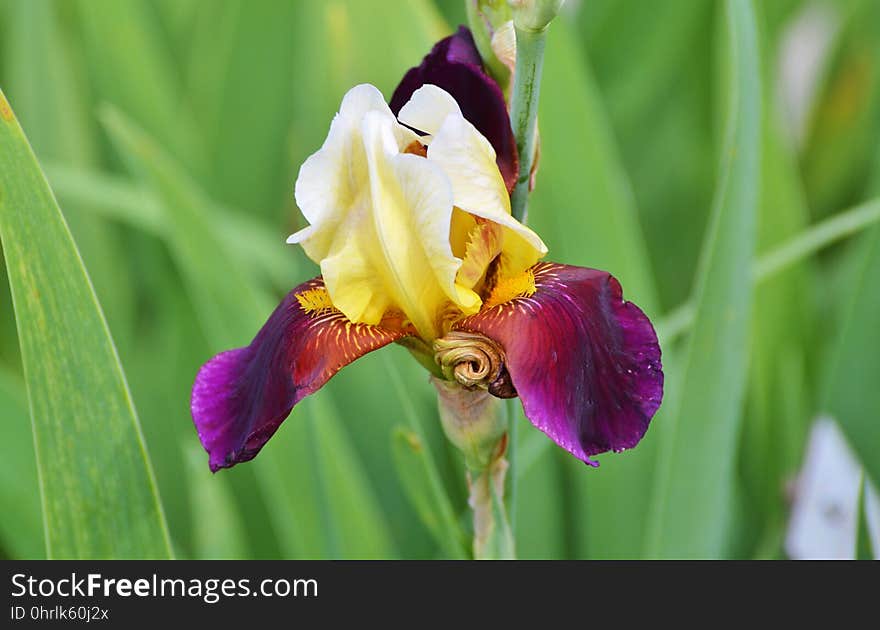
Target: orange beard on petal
417,148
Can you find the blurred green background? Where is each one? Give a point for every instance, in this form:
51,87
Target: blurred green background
171,132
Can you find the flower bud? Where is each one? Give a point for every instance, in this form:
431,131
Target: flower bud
485,19
504,45
534,15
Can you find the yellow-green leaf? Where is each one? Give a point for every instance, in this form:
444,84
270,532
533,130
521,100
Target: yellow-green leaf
694,481
98,492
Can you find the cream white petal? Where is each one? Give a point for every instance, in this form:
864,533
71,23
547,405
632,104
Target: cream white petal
335,176
427,108
468,159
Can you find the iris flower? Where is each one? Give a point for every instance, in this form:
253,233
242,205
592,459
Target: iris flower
409,219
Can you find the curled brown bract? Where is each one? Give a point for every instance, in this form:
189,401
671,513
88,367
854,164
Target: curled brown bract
474,361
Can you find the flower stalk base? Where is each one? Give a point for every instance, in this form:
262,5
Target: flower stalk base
493,538
473,421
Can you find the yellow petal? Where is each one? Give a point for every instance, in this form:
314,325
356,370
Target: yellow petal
459,233
483,245
335,176
380,220
412,210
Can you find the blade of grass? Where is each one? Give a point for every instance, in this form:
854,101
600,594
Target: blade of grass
131,67
219,533
694,483
177,17
543,524
219,286
633,33
363,390
409,461
167,349
116,198
419,474
329,509
823,234
359,55
582,203
108,196
351,511
652,62
95,474
256,87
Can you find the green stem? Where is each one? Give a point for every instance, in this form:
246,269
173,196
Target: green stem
792,251
524,110
815,238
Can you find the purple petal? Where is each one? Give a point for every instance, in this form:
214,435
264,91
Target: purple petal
454,64
585,362
241,396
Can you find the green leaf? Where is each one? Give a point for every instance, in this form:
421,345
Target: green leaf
21,529
130,67
257,97
318,493
221,290
778,403
850,393
794,251
849,389
95,474
694,484
547,510
219,533
419,475
118,199
863,550
652,62
411,464
384,390
108,196
352,511
844,125
409,461
272,102
637,53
